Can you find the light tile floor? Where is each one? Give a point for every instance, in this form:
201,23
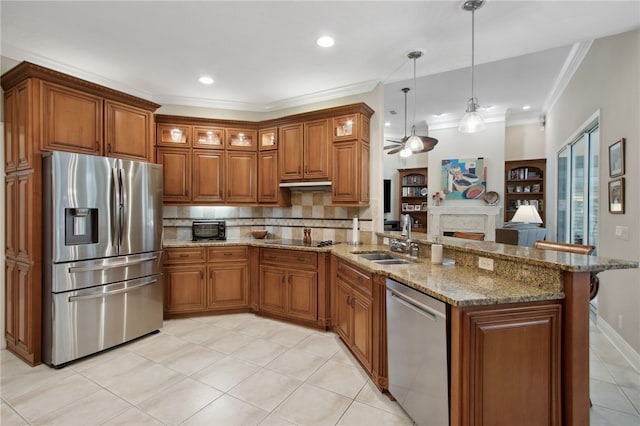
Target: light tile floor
244,370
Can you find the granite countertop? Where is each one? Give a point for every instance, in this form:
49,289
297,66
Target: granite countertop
456,285
525,255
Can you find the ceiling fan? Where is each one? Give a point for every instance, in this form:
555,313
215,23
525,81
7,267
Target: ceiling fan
411,144
428,142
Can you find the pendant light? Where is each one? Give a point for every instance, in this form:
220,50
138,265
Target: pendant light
414,143
472,121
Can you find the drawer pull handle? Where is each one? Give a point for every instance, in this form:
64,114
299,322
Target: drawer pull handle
184,255
353,302
228,254
348,302
300,259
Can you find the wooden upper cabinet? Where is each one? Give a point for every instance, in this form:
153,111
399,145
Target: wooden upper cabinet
242,139
268,139
208,176
304,151
10,132
345,128
316,150
176,173
128,132
268,185
208,137
72,120
290,151
18,139
173,135
242,177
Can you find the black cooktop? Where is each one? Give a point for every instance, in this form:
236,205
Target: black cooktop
301,243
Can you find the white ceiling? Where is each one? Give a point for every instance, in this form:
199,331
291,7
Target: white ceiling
263,55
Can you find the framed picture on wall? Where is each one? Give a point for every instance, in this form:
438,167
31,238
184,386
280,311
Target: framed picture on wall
616,196
616,159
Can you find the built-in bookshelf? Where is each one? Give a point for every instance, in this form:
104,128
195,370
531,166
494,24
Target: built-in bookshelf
414,195
524,184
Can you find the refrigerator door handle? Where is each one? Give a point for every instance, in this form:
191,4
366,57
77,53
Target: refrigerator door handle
111,266
115,200
110,293
123,202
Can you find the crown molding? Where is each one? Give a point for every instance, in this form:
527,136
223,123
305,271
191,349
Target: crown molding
14,52
574,59
324,95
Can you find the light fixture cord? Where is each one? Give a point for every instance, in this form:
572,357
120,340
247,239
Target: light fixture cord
473,13
415,93
405,114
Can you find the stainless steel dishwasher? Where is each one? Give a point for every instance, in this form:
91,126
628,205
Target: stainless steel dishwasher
417,353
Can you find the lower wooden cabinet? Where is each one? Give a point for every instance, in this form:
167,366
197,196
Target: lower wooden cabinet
497,349
289,284
354,311
206,279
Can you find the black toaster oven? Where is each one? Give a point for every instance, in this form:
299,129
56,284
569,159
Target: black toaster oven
208,230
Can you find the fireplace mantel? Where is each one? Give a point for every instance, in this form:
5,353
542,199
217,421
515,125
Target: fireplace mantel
460,217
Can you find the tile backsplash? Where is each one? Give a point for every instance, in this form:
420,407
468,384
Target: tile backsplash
309,209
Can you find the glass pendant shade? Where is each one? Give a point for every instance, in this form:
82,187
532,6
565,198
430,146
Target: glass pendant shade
472,121
414,143
406,152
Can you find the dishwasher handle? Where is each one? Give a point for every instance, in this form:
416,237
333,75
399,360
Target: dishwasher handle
415,306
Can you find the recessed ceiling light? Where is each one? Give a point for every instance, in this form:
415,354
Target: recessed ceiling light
205,80
526,107
325,41
387,123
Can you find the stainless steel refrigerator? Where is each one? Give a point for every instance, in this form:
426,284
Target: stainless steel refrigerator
102,253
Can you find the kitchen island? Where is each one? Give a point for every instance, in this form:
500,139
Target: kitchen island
518,335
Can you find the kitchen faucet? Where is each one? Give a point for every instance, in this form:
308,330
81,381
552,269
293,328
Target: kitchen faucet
406,226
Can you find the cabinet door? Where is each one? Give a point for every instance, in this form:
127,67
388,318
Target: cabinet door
343,310
128,132
228,286
272,289
173,135
242,139
72,120
208,137
302,295
506,347
208,176
345,172
185,288
345,128
362,310
291,152
268,139
176,173
268,185
10,132
363,185
316,150
242,177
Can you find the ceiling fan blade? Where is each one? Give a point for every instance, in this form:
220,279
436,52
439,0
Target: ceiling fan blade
395,140
390,146
394,150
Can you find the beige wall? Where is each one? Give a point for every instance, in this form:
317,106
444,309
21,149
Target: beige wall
524,142
608,80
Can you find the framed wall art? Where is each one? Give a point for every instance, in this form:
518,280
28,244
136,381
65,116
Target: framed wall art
616,196
616,158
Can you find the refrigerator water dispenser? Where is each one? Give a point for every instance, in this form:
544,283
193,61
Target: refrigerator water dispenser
81,226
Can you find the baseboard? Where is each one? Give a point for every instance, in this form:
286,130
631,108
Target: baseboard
620,344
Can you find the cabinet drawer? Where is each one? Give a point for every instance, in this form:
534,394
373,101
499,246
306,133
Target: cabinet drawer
220,254
184,255
295,258
356,277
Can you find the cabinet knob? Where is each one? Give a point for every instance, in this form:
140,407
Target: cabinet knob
97,146
348,297
306,169
110,151
353,302
201,275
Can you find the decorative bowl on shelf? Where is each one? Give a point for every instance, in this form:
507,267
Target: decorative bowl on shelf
259,234
491,198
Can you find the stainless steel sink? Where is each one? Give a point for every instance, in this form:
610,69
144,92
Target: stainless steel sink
377,256
384,258
392,261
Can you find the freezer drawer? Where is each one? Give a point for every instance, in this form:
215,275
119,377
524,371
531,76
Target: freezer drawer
90,273
87,321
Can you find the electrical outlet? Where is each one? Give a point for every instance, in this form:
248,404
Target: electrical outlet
620,321
622,233
485,263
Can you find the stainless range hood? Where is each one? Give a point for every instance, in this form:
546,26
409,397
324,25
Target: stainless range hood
303,185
